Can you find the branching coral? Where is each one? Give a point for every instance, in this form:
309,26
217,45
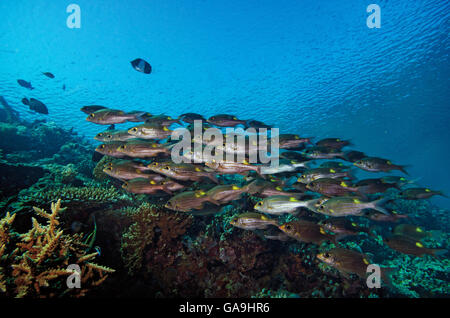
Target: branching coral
86,194
35,264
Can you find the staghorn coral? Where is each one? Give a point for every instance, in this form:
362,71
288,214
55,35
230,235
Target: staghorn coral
154,229
87,194
34,264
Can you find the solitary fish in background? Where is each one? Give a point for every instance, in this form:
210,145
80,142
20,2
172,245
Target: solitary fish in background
91,109
419,193
25,84
141,66
409,246
252,221
35,105
374,164
306,231
350,262
48,74
64,87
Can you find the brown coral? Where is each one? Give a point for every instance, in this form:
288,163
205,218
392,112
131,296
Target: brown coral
33,264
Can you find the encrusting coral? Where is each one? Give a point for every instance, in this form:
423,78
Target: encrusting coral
35,264
152,227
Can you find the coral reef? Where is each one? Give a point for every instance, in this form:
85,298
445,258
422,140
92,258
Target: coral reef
35,264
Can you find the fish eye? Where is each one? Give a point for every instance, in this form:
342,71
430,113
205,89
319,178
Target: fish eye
166,168
288,227
92,115
259,203
102,146
134,129
326,255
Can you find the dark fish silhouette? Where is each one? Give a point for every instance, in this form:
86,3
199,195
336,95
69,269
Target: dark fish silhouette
141,66
91,108
64,87
25,84
35,105
48,74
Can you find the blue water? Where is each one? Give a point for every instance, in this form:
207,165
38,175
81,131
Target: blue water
308,67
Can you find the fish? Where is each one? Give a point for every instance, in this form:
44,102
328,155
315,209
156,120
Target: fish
225,120
292,141
398,181
333,165
113,135
351,262
110,149
283,166
91,109
348,205
306,231
48,74
353,155
64,87
25,84
188,201
256,124
372,186
145,186
231,167
280,204
143,149
319,173
225,193
293,155
412,231
419,193
252,221
161,120
343,227
110,116
335,143
191,117
332,187
126,170
374,164
319,152
380,217
412,247
265,188
147,131
141,65
35,105
182,171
